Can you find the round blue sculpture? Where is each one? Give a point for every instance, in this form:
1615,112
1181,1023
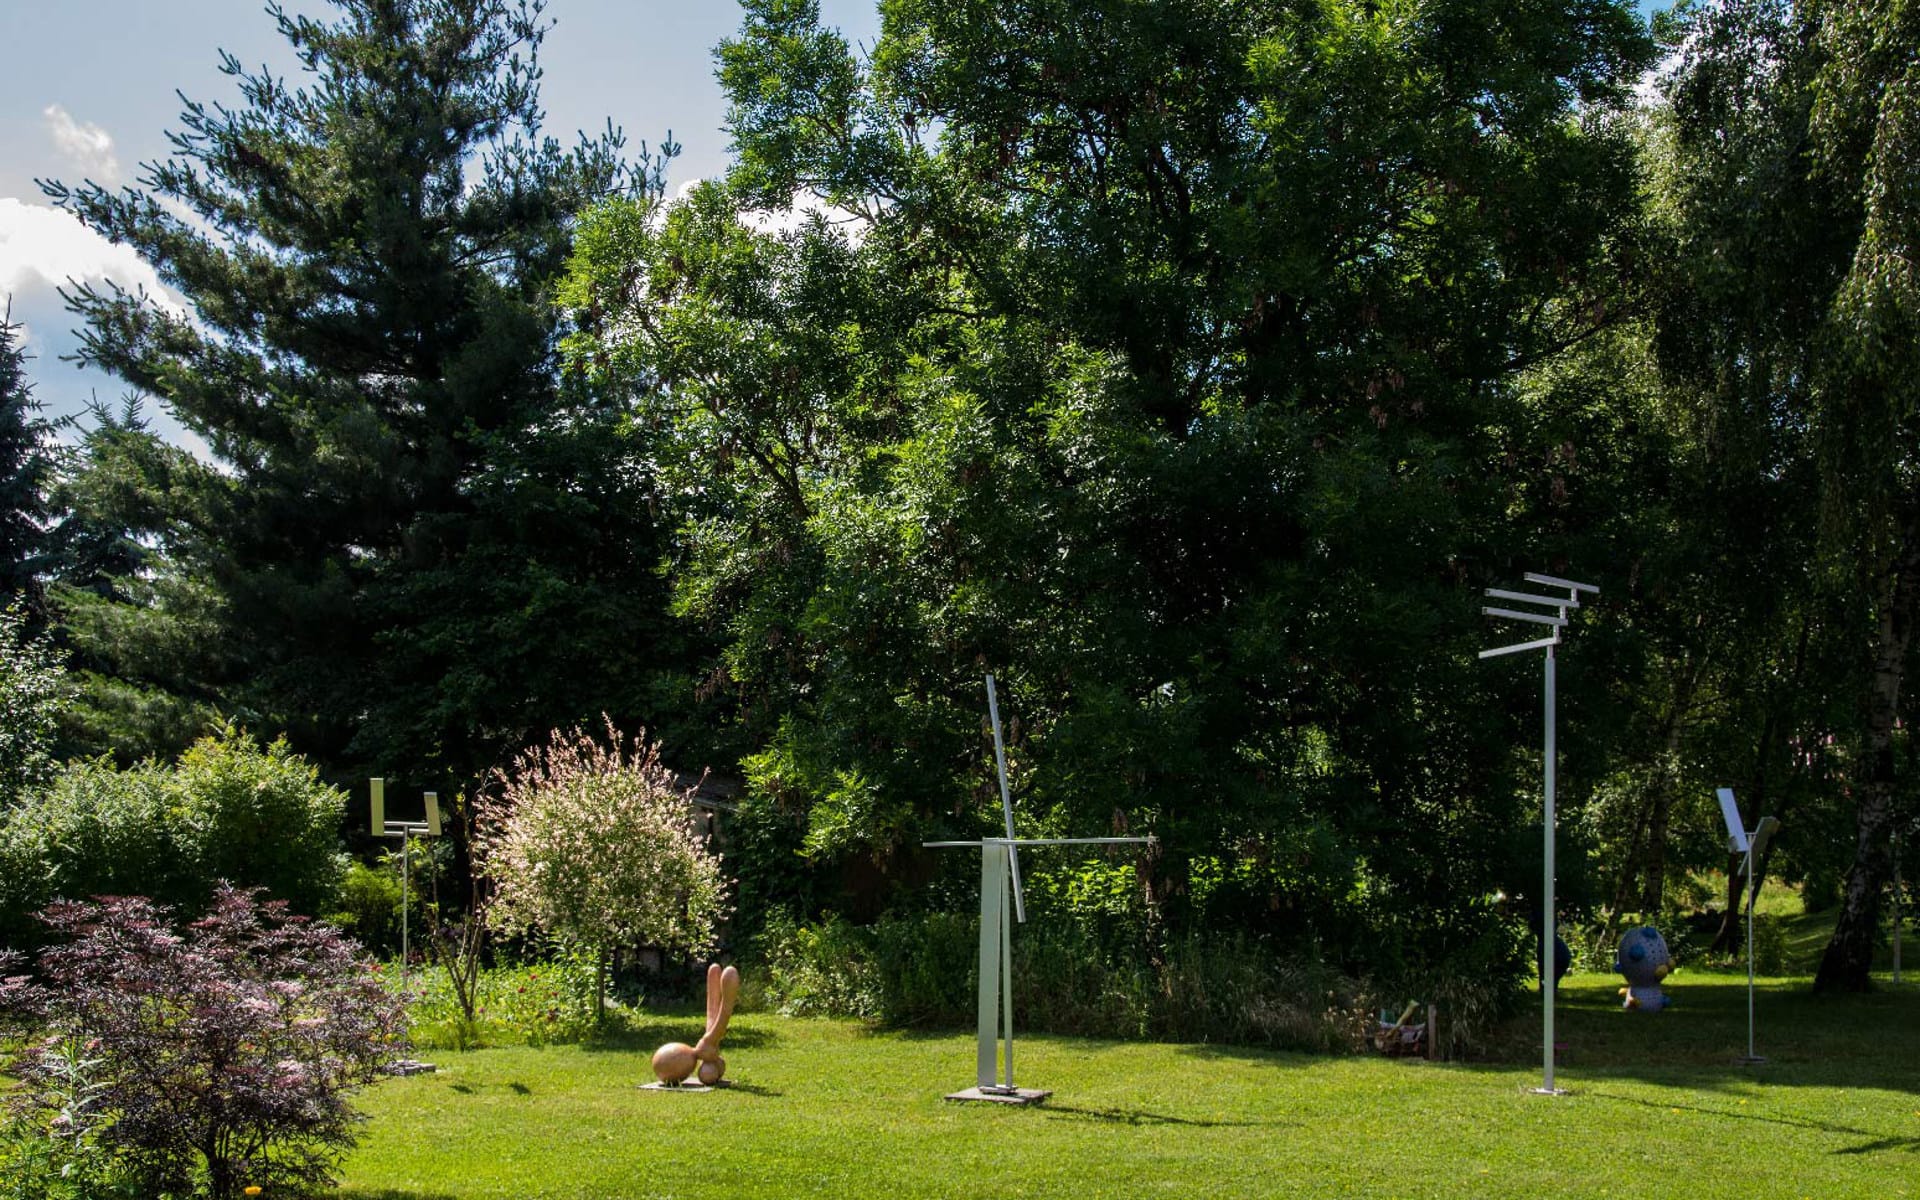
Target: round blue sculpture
1644,959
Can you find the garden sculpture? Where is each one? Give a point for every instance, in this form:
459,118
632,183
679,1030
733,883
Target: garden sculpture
999,883
1644,959
673,1062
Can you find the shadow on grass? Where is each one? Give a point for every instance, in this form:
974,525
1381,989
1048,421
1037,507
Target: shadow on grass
392,1194
1910,1145
1134,1116
470,1089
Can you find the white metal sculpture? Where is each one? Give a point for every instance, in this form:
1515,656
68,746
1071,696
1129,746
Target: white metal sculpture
406,831
1748,844
999,883
1560,605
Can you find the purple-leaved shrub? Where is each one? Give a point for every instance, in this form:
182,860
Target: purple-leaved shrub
225,1051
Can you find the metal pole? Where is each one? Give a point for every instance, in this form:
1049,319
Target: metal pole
1753,889
1006,801
1006,975
1896,908
406,886
993,888
1547,922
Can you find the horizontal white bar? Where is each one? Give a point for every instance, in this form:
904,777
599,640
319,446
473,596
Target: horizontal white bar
1525,598
1552,641
1514,614
1556,581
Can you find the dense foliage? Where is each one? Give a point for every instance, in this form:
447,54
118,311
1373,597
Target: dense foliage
228,809
1190,366
226,1049
33,694
1164,367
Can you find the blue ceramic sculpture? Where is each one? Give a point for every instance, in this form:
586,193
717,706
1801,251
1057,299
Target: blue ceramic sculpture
1644,959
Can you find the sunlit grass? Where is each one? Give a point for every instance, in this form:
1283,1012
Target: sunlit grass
1656,1108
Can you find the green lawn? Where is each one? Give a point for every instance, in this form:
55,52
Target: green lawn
822,1107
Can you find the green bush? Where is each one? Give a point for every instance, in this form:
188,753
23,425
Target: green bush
33,694
920,971
50,1144
1769,944
532,1004
229,809
369,906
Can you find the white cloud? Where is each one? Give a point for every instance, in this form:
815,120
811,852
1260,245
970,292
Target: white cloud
43,246
804,205
83,143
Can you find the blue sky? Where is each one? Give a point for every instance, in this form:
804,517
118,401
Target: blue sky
88,92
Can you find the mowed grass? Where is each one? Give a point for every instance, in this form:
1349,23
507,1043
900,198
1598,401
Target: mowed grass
1656,1108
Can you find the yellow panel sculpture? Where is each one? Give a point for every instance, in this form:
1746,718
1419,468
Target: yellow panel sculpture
673,1062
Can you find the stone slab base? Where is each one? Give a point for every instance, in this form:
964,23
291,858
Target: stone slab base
1019,1096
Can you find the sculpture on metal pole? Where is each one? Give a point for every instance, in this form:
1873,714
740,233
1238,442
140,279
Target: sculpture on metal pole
1558,621
1748,843
999,883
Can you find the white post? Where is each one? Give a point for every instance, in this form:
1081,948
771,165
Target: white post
1006,801
1006,970
1547,918
406,886
1753,890
993,888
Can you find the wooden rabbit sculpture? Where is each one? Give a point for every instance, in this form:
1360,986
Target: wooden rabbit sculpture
673,1062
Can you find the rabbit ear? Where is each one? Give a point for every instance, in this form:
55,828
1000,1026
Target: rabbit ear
713,994
729,992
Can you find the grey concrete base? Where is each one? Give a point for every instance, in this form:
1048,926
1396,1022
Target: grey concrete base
1019,1096
1750,1060
409,1066
657,1086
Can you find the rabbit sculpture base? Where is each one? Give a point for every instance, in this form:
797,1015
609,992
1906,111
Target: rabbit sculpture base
675,1061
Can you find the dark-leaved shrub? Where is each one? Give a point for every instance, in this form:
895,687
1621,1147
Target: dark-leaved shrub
234,1068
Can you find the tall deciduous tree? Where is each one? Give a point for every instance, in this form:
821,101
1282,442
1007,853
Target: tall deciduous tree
1160,358
420,544
1795,143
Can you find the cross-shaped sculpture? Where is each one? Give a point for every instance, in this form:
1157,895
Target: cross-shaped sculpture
999,868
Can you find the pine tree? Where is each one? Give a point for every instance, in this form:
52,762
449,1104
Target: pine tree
25,466
424,548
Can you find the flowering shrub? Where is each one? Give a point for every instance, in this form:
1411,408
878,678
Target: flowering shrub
594,846
223,1053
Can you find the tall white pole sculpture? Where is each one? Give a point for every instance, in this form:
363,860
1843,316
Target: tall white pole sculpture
999,875
406,831
1557,619
1748,843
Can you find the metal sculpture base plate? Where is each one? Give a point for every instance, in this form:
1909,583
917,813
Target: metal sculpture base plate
1547,1091
657,1086
1750,1060
1016,1096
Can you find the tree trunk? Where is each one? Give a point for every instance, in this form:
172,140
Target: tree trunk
599,986
1848,962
